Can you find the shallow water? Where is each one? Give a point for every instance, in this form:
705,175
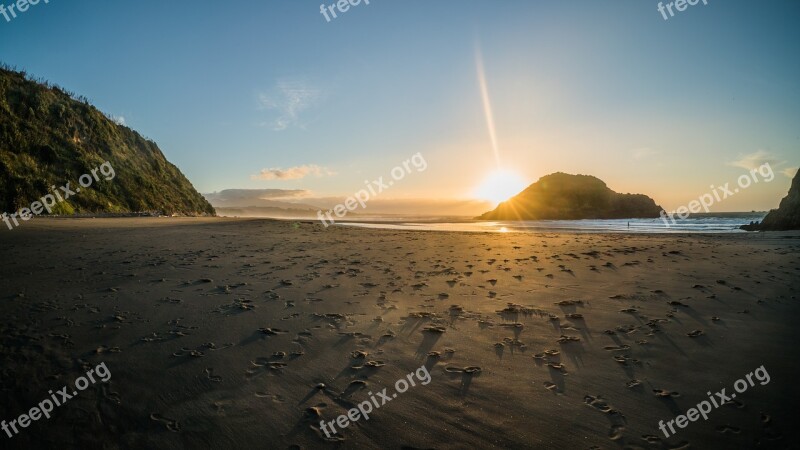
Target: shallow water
707,224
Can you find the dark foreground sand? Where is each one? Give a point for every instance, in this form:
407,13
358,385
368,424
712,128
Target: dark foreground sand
223,333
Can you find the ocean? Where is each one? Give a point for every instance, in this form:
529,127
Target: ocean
697,223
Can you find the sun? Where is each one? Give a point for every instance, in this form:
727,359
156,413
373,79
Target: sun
499,186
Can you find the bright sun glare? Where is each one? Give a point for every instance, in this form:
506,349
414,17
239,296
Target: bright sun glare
499,186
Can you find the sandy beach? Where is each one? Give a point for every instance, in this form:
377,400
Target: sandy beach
225,333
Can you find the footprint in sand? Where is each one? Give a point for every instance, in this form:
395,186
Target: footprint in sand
354,386
262,365
314,412
616,347
369,365
616,416
663,393
110,395
219,407
360,384
172,425
551,386
695,333
215,378
622,359
734,403
615,432
633,383
468,369
211,346
597,403
557,366
434,329
651,439
187,351
271,331
569,302
104,349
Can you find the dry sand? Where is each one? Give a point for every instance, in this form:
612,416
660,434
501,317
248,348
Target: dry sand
220,333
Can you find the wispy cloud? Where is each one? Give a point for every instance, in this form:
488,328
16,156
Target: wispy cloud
287,99
755,160
642,153
119,120
292,173
790,172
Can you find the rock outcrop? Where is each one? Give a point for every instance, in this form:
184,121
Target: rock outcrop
787,216
562,196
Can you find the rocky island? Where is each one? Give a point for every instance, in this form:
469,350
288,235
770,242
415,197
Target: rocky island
561,196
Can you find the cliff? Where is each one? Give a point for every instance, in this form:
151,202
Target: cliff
48,138
787,216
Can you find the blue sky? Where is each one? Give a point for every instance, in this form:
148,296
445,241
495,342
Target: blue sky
607,88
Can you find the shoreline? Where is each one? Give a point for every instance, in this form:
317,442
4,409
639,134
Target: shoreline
134,221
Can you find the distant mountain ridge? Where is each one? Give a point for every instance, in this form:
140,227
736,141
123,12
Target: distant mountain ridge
787,216
257,198
48,137
562,196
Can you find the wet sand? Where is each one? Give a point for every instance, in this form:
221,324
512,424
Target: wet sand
235,333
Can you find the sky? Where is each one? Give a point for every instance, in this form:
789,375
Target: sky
255,94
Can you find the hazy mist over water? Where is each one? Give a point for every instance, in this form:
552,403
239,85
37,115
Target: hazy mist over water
705,223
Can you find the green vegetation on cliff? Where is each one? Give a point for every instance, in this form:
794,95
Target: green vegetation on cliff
562,196
48,137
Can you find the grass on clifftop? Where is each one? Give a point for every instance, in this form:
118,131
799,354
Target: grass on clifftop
50,137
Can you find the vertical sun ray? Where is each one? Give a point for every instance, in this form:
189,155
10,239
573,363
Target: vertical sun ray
487,104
